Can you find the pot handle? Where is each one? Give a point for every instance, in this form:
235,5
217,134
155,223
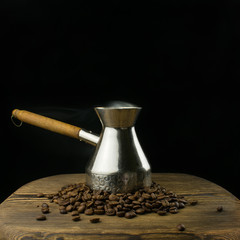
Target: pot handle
47,123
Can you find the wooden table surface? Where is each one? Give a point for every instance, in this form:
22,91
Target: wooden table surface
18,213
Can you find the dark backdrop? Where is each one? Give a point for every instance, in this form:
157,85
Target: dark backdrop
179,60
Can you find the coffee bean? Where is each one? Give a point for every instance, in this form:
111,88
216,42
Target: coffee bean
181,205
113,197
136,202
89,204
62,202
141,199
146,196
98,202
193,202
99,211
45,210
81,209
75,213
63,211
49,196
140,211
165,203
69,208
136,206
76,218
113,203
173,211
147,210
41,218
132,198
120,213
219,208
40,195
130,214
94,220
110,212
76,204
45,205
181,227
161,213
100,207
89,211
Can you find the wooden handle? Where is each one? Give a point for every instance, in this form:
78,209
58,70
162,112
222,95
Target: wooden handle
47,123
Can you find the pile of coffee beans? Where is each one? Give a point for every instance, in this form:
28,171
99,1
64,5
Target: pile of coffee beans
79,198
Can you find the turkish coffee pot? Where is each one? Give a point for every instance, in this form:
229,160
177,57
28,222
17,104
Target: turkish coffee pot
119,163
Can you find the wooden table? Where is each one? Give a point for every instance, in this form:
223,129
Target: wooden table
18,213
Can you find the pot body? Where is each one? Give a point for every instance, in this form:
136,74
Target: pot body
119,163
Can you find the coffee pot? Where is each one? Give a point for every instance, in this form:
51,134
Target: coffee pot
119,163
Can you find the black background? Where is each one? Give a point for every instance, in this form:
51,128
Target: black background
179,60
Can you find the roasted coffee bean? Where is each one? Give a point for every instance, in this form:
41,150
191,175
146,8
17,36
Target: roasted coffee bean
181,205
219,208
146,196
45,210
141,199
182,201
147,210
72,200
100,207
155,210
128,201
45,205
119,207
94,220
193,202
98,202
113,203
140,211
63,211
128,205
136,202
173,211
81,208
181,227
148,205
99,211
63,202
132,198
136,206
76,204
100,197
89,204
76,218
75,213
110,212
41,218
89,211
130,214
165,203
120,213
113,197
161,212
69,208
40,195
62,207
49,196
153,196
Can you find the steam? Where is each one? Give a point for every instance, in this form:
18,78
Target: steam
117,104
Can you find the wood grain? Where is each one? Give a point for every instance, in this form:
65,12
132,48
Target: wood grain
47,123
18,212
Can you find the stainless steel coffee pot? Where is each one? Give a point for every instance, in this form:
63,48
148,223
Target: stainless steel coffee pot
119,163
